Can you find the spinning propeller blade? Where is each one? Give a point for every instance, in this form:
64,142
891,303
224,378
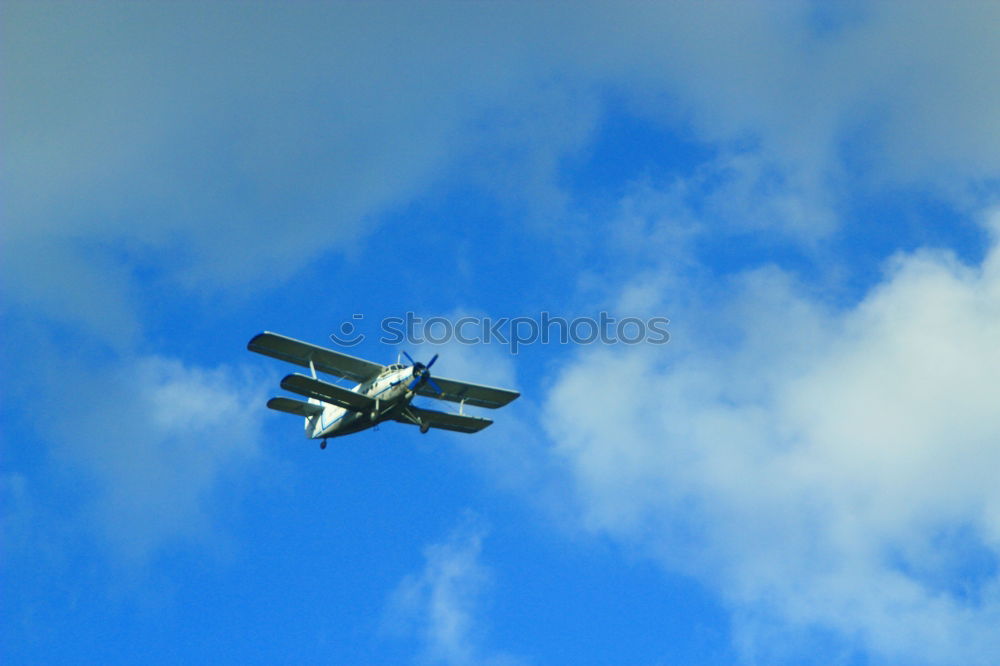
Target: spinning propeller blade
422,374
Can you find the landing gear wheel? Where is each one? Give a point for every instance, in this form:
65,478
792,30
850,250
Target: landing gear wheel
322,444
424,427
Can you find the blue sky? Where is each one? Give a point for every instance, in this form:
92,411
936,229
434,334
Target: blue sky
804,474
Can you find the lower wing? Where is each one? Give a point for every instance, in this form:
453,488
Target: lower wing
442,420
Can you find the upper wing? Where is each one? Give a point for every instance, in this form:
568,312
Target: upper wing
326,360
444,420
472,394
327,392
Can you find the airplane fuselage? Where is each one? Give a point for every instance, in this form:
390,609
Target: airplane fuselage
389,390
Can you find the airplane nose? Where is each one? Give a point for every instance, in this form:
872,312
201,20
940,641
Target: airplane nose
422,374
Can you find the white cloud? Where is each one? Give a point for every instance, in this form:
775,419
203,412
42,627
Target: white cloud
154,439
823,470
222,145
239,137
442,605
216,146
915,82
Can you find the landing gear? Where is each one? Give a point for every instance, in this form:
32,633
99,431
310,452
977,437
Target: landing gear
322,444
424,427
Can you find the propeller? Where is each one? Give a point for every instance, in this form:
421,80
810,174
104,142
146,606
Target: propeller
422,374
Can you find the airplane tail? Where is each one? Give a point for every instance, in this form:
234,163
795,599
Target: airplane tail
312,420
311,410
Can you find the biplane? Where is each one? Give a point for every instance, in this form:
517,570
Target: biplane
380,392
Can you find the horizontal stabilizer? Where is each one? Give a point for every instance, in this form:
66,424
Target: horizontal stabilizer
327,392
443,420
296,407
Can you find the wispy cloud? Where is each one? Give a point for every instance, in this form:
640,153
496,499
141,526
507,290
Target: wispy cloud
443,605
150,443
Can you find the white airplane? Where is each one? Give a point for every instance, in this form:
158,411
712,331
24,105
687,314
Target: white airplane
382,392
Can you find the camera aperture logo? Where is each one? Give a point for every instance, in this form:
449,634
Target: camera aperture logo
515,332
